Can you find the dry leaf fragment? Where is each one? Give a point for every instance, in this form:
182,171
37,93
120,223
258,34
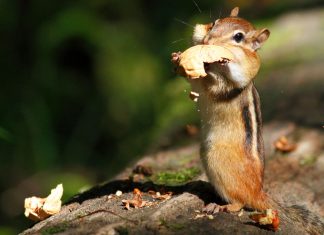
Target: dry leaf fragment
137,192
137,201
268,218
192,130
160,196
134,203
40,208
191,61
283,145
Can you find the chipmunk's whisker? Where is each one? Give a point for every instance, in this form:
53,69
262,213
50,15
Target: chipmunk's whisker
183,22
176,41
220,13
197,6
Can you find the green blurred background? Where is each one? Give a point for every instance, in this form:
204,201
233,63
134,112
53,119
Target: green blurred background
87,87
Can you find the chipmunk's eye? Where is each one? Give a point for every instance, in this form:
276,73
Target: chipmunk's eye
238,37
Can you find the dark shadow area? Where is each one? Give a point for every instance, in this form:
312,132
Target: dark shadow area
202,189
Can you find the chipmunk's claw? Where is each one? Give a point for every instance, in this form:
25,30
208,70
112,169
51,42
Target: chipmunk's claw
175,57
212,208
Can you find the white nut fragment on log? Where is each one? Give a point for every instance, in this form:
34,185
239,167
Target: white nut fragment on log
37,208
191,61
194,96
119,193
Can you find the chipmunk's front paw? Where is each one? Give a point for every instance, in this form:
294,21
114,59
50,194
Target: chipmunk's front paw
212,208
175,57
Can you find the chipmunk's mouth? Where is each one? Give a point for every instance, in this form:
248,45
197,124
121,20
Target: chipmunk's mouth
206,67
217,68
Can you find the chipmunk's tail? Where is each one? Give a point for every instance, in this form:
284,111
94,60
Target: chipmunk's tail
310,221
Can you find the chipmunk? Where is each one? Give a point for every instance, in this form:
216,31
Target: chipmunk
232,149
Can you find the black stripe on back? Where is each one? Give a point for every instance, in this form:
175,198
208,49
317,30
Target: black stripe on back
246,116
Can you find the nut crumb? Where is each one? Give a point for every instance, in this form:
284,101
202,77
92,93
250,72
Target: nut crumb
194,96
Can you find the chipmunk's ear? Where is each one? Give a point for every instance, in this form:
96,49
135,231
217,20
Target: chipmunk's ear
259,38
234,12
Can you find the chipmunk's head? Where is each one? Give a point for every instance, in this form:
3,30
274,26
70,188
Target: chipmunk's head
242,39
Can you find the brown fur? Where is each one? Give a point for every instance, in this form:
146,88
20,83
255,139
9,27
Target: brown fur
243,182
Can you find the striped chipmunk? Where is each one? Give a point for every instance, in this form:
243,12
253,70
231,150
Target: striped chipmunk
232,150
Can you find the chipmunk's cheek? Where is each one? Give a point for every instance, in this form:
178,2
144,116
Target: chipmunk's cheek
237,75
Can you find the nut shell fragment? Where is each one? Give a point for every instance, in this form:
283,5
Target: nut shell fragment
40,208
191,61
194,96
268,218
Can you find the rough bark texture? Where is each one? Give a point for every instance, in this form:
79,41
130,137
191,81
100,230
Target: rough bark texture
293,178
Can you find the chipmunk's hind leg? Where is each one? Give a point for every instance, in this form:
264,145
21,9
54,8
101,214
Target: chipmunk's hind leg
213,208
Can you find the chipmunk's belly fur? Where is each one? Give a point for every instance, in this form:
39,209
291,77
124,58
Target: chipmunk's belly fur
229,150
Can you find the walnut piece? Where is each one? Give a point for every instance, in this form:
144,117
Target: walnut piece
191,61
